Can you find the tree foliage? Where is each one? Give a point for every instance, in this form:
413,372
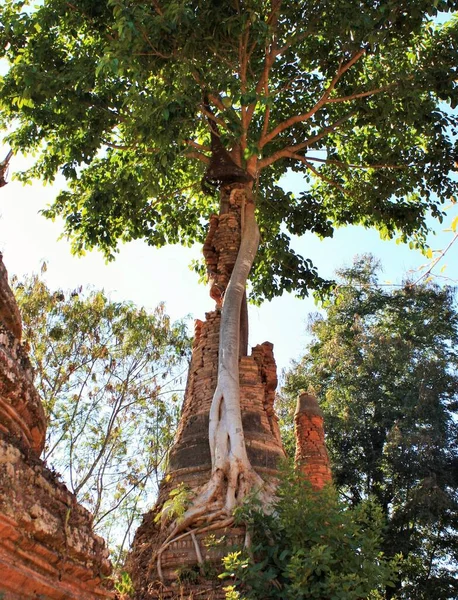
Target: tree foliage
384,365
351,94
310,546
110,378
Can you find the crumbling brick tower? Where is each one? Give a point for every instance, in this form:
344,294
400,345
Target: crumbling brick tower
311,455
190,461
47,547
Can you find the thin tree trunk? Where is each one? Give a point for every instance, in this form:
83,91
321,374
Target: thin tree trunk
227,441
244,329
232,475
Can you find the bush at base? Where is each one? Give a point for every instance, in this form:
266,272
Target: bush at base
310,546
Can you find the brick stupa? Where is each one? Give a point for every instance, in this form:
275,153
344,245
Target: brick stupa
47,547
311,455
190,461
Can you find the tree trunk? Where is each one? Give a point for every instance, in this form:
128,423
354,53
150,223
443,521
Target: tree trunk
229,260
227,442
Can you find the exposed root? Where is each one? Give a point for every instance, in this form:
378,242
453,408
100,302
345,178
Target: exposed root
221,524
197,548
247,542
215,515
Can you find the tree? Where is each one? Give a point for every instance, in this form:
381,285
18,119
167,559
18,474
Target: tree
384,366
137,103
110,377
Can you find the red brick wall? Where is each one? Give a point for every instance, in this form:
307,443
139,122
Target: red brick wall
311,454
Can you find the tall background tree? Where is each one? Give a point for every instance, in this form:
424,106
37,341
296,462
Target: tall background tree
384,365
111,378
136,103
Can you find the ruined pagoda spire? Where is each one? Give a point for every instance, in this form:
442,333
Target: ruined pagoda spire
311,454
190,458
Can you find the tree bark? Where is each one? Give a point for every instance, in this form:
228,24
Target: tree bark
227,442
232,475
4,167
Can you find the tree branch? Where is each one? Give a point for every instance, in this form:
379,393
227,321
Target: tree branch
441,255
216,101
243,62
117,146
330,128
128,147
155,52
363,94
198,146
321,102
292,40
265,125
285,152
318,174
272,19
198,156
157,7
354,166
270,55
213,117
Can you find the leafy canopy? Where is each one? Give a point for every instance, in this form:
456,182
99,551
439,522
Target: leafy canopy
352,95
384,365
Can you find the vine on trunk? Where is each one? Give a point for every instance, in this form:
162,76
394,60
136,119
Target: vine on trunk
232,475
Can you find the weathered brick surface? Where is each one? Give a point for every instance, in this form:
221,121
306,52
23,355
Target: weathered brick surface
21,412
311,454
190,456
9,311
47,547
222,244
189,460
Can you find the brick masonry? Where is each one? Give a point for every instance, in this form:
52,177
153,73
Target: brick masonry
47,547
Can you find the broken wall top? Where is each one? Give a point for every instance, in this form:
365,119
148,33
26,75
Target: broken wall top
47,545
21,412
10,317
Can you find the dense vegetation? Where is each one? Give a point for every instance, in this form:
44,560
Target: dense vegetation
111,377
351,94
311,545
384,365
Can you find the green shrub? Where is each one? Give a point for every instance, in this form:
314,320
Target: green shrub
310,546
124,586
